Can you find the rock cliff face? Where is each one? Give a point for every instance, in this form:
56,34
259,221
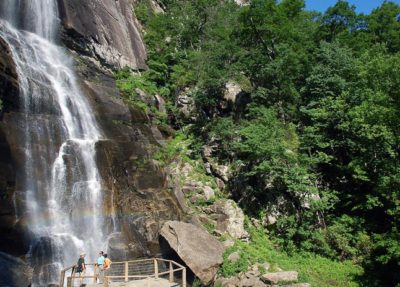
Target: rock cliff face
135,185
12,235
103,30
105,34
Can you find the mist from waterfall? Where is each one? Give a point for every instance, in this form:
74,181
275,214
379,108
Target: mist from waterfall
59,180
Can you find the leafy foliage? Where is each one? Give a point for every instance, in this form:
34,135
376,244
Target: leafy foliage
315,143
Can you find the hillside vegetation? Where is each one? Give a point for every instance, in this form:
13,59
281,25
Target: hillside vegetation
314,138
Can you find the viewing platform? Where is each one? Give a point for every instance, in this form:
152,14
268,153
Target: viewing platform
155,272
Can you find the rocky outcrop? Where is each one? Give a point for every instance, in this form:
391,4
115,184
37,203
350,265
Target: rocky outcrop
200,251
230,219
242,2
14,271
185,104
104,31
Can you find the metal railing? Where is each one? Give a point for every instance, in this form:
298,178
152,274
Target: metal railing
128,271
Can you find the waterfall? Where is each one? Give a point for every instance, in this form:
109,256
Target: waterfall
59,179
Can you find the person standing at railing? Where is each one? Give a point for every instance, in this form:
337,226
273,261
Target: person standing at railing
81,268
100,271
106,265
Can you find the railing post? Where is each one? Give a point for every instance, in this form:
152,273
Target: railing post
95,273
62,278
69,282
171,272
156,268
184,277
126,271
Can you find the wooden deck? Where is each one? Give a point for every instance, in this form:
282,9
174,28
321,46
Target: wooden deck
156,272
150,282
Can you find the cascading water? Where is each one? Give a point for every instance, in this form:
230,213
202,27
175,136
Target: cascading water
59,178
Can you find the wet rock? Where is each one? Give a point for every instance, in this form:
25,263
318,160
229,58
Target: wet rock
200,251
9,82
117,248
278,277
12,235
104,31
230,218
135,188
14,271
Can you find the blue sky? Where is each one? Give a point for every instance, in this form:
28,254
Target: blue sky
363,6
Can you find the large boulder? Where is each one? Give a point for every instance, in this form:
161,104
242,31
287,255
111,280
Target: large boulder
200,251
14,271
104,30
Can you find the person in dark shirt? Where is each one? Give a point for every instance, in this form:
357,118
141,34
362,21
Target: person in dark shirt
81,267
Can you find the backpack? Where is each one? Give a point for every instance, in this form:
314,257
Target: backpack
106,263
80,265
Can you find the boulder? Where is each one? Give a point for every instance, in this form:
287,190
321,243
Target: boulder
241,281
232,90
200,251
278,277
14,271
251,282
252,273
230,219
228,243
235,256
208,193
297,285
227,282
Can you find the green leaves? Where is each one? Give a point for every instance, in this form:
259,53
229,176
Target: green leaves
313,137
